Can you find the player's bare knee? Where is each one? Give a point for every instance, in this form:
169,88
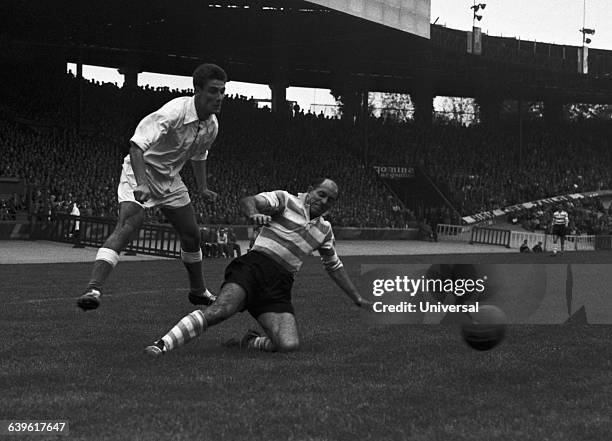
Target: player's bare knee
287,345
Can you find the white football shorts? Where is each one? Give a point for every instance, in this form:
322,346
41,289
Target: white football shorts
178,197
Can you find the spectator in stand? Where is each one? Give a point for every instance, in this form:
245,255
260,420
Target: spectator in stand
524,247
204,241
232,243
222,243
212,243
475,167
76,231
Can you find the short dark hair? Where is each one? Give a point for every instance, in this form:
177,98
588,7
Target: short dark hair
206,72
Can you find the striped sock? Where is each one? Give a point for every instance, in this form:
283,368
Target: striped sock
188,328
262,344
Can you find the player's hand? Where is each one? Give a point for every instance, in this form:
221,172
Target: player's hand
260,219
209,195
142,193
365,304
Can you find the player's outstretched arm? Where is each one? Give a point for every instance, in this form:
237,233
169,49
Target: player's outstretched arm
254,208
342,279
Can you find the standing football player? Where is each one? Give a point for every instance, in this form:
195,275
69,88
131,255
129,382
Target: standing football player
261,280
182,129
559,228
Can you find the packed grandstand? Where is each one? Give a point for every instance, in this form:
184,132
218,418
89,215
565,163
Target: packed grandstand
475,167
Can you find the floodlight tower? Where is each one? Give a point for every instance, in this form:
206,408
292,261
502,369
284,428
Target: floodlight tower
585,40
475,16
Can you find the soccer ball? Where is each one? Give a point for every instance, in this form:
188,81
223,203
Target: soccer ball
486,329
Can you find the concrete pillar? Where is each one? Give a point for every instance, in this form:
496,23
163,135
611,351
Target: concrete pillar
278,87
422,97
349,92
54,65
352,103
489,108
279,97
80,98
130,76
553,111
79,70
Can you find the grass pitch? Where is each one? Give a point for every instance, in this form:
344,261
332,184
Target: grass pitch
349,381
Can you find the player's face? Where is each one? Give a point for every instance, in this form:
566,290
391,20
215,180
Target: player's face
322,198
208,100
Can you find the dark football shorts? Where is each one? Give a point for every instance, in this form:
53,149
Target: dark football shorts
559,230
267,284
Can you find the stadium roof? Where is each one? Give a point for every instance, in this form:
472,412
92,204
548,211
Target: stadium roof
260,40
286,41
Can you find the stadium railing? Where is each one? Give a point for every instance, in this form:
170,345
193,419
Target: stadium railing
454,233
514,239
162,240
572,242
490,236
603,242
152,239
579,243
517,238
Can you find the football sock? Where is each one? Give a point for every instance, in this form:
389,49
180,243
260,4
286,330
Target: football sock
188,328
193,264
106,260
262,344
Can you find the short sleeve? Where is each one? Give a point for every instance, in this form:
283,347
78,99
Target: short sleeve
155,125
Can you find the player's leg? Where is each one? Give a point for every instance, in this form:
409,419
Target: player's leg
271,306
555,234
230,300
184,222
131,216
281,333
268,286
562,240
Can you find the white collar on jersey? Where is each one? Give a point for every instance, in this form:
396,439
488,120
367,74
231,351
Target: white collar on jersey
192,114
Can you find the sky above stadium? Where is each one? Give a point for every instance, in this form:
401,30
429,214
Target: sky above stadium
549,21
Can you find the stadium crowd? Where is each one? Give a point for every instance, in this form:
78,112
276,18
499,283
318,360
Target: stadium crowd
483,169
478,169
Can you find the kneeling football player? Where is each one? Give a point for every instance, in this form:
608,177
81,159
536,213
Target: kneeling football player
260,281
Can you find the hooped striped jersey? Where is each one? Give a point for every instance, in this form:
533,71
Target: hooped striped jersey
292,235
560,217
